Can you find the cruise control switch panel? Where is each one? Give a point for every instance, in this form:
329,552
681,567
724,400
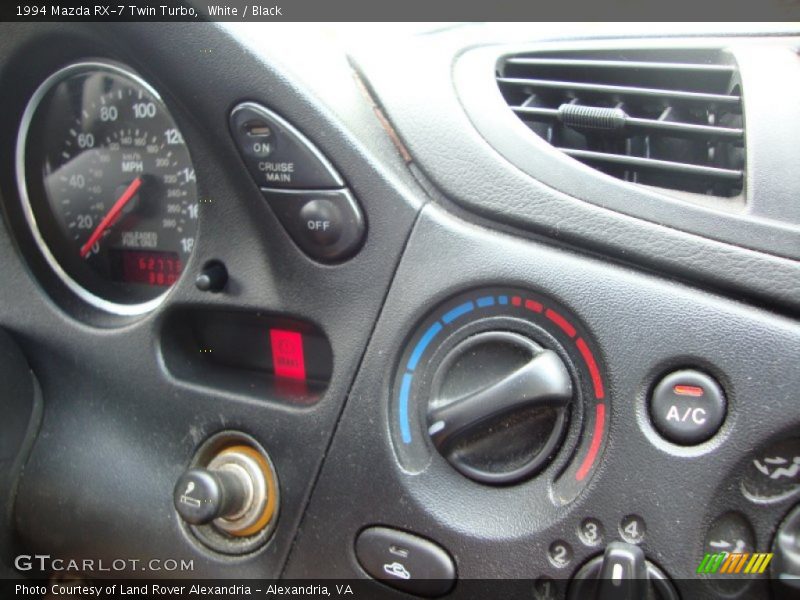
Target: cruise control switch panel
305,191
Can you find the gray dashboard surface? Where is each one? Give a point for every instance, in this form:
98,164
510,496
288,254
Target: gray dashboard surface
504,532
117,427
414,84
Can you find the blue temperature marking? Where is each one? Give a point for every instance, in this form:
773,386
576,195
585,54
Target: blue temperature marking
422,345
432,332
453,314
405,389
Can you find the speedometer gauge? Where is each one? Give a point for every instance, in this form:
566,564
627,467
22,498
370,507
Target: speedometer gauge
108,186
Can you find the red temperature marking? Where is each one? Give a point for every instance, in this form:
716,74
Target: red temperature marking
561,322
594,446
533,305
288,359
688,390
597,381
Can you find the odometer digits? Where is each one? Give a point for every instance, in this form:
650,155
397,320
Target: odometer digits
109,187
146,266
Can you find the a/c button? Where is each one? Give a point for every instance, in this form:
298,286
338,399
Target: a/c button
687,407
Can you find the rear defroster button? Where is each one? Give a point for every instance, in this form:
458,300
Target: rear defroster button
405,562
687,407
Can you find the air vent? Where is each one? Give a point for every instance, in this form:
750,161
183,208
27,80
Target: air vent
660,118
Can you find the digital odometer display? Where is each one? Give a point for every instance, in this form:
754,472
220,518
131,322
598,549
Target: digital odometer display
109,186
145,266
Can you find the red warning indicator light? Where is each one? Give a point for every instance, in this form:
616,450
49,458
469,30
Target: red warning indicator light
288,359
688,390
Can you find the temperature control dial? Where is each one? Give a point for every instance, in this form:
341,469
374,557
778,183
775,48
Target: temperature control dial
499,406
502,382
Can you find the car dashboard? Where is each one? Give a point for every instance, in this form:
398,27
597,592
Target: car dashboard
441,310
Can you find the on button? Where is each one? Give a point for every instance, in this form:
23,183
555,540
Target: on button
687,407
278,155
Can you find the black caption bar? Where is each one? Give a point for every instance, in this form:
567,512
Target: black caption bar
405,10
542,588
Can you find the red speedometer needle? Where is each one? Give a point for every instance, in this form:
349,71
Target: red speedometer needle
129,193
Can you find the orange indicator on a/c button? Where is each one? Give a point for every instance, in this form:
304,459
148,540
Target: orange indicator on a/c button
688,390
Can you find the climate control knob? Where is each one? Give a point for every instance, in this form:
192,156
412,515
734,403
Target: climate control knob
621,573
498,407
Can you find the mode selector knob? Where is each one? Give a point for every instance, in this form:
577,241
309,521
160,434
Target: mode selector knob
498,407
621,573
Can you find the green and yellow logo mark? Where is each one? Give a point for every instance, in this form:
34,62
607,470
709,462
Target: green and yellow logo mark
730,563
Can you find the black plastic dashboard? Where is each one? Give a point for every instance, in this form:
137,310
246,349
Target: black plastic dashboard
467,254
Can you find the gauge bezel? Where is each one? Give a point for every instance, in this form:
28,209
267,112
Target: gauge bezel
109,306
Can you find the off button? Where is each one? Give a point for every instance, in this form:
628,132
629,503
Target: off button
687,407
322,221
326,224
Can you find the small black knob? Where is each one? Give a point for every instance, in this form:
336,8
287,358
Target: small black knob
201,495
786,561
621,573
212,278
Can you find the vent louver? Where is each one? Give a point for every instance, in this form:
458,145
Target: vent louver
671,120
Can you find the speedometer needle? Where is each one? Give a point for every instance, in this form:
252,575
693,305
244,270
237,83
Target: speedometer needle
126,196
